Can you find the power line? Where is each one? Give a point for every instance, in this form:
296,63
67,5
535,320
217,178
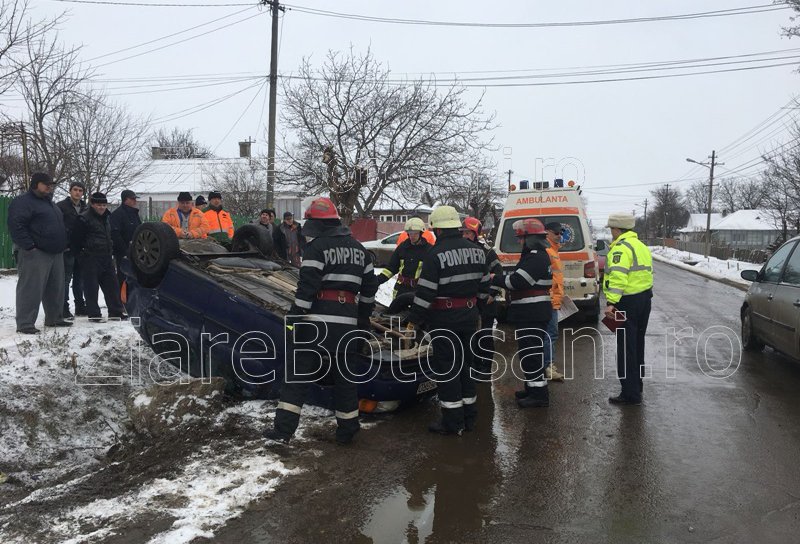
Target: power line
234,14
747,10
149,5
206,33
246,109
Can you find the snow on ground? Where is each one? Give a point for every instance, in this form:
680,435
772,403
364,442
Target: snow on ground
62,408
711,267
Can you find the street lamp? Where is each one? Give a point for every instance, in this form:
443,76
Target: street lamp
710,166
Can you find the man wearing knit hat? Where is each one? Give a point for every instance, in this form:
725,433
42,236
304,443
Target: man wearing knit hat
220,223
36,226
186,220
628,287
92,244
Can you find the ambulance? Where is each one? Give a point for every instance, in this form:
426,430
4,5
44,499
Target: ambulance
578,253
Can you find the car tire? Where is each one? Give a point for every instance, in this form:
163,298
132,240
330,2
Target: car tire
153,246
248,238
750,341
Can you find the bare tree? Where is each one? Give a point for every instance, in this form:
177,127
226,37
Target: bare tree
12,170
669,212
51,85
17,32
360,135
696,197
179,144
478,193
726,194
751,194
105,143
782,201
242,186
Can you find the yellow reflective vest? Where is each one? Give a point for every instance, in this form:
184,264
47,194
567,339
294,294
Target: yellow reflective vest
629,268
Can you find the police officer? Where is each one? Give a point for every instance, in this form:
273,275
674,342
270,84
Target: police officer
628,287
407,259
483,342
530,309
335,295
454,276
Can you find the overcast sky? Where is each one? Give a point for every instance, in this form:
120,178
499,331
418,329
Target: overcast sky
629,136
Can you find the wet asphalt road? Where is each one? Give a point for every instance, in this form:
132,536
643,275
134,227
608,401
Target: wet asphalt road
711,455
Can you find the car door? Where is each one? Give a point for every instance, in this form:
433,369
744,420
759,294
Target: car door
786,308
762,294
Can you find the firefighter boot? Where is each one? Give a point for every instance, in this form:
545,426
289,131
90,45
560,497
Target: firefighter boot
538,397
521,394
345,436
439,427
276,435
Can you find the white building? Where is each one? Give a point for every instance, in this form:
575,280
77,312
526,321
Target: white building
158,187
746,229
695,229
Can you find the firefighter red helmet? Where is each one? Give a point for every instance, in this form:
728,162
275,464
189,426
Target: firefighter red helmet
473,224
321,208
528,227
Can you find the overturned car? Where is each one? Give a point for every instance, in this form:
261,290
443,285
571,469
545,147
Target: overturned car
213,311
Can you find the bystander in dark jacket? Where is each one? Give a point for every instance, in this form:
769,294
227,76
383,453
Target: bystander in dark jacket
36,226
124,221
92,243
72,207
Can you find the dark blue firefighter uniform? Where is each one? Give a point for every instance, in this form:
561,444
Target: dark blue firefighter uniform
529,311
335,294
454,277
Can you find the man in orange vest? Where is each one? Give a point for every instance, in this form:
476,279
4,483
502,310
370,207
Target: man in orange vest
427,234
186,220
219,221
556,295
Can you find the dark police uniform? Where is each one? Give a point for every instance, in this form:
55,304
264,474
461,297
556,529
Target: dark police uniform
406,261
335,293
530,307
454,277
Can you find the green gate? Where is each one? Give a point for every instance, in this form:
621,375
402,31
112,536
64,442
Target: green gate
6,259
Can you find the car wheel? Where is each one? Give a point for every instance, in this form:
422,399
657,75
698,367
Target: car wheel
750,341
153,246
249,238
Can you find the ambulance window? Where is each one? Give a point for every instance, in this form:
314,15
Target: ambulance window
572,239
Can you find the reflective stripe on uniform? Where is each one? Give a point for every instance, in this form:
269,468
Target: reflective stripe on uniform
536,384
529,300
617,269
461,277
483,295
346,415
452,405
295,409
369,268
366,300
342,277
423,303
300,303
615,290
543,283
314,264
388,273
508,282
331,319
469,400
641,267
525,275
427,284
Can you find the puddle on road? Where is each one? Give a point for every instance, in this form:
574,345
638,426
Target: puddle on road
402,513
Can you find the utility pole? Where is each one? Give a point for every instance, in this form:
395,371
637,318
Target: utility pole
666,198
275,8
710,200
509,179
645,219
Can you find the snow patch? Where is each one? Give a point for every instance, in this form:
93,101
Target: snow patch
710,267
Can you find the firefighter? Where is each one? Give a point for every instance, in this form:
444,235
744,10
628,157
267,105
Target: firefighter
406,260
335,296
454,276
628,287
220,224
530,309
483,343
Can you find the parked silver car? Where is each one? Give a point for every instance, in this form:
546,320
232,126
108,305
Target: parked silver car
771,310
